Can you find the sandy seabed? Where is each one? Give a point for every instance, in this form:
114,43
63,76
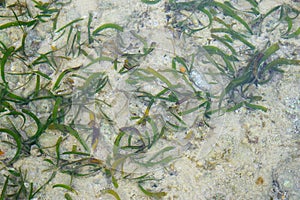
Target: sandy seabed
244,154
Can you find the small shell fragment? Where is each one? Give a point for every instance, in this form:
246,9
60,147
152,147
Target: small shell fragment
199,80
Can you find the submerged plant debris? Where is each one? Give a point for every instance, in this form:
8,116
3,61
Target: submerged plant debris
95,98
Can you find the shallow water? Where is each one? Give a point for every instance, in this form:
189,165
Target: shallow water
244,154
